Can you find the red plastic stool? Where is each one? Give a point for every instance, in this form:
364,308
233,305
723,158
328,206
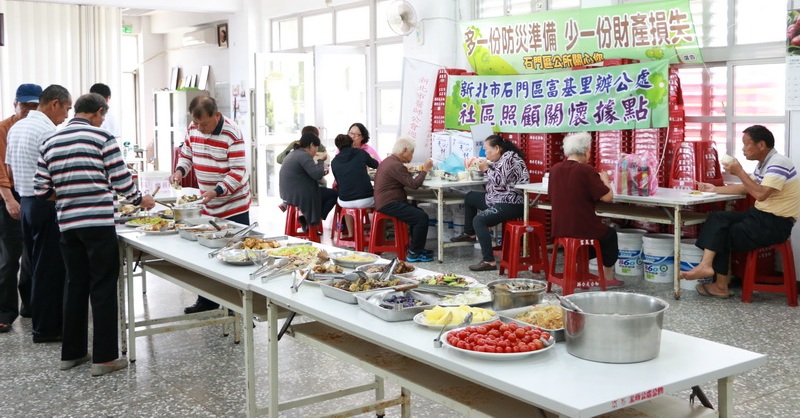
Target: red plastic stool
294,229
378,242
788,285
576,265
360,218
512,259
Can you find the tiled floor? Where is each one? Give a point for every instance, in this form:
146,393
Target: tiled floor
200,373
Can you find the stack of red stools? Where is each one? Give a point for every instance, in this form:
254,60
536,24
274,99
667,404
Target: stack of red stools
542,151
440,97
513,259
610,147
677,126
520,140
695,161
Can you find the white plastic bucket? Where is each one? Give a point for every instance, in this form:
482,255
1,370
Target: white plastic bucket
659,257
629,260
690,257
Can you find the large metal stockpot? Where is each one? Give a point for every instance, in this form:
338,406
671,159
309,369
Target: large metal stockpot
615,327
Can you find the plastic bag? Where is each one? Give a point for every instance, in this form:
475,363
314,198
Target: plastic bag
636,175
452,164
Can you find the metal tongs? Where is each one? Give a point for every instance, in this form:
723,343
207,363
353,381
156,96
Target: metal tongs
322,257
269,267
437,342
566,303
238,234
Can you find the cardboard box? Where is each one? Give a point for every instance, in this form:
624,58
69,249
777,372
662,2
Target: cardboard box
465,147
441,143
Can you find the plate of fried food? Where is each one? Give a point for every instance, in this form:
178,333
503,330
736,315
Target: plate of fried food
164,227
402,269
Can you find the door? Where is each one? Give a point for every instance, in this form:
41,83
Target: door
341,77
282,105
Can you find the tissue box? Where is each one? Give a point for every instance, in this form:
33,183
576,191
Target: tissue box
441,143
465,147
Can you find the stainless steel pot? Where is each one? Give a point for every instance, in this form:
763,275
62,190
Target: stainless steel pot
614,327
504,297
187,211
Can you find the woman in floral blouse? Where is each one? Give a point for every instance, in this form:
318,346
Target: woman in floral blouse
500,202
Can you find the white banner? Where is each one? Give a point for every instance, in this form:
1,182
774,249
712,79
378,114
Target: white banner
419,83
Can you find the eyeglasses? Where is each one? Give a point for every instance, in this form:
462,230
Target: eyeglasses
355,134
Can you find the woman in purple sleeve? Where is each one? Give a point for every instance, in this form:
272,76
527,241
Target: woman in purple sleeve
500,202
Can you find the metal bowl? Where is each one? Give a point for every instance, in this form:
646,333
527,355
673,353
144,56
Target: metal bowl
476,174
187,211
503,298
615,327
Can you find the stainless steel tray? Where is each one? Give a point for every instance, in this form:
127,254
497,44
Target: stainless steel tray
508,315
220,239
350,297
368,304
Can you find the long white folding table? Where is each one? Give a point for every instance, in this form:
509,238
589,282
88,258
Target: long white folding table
552,380
441,198
667,206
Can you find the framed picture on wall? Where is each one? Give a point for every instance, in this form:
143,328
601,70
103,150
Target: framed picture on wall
222,35
2,31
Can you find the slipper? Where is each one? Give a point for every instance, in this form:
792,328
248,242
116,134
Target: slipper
483,266
5,328
703,291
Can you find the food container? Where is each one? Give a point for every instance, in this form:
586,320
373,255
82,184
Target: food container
353,259
386,311
510,315
615,327
476,174
220,239
515,293
191,232
375,266
350,297
187,211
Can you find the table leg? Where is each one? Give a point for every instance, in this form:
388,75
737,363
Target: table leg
725,396
526,206
677,259
440,223
249,357
121,305
131,310
272,359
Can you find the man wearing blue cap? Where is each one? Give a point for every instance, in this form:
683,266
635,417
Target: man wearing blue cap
40,234
11,251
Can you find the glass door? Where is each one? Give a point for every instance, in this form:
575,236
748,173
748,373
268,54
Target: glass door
283,104
341,79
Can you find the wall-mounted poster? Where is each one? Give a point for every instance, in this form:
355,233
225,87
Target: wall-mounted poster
222,35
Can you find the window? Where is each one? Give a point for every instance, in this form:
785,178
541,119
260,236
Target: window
286,35
383,30
390,62
352,32
318,30
760,21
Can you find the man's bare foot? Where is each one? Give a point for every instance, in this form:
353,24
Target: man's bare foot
700,271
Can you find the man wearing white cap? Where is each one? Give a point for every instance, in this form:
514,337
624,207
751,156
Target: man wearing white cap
11,251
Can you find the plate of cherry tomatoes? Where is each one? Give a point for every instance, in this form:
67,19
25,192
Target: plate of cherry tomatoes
499,341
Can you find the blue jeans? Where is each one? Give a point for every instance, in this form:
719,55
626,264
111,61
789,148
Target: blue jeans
479,224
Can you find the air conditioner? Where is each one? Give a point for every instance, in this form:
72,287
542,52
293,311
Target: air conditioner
200,37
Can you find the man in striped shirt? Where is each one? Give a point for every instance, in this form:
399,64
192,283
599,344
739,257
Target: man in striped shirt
214,148
39,225
776,189
82,167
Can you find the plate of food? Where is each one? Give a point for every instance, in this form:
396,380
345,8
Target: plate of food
698,193
294,251
322,273
547,316
353,259
187,199
147,220
241,257
166,213
476,295
449,279
163,227
436,316
526,341
402,269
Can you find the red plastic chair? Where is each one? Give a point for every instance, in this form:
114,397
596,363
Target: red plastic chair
377,238
293,228
576,265
753,281
512,258
360,218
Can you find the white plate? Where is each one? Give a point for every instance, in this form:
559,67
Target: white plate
468,280
164,232
494,356
476,295
697,194
419,319
133,224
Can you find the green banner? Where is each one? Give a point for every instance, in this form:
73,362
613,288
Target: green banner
597,99
564,39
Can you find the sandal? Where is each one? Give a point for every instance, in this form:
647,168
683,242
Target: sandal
5,328
483,266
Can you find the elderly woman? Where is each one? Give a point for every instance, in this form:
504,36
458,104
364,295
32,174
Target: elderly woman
360,136
349,169
299,181
500,202
579,189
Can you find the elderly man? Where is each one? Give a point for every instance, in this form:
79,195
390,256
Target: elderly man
776,188
391,181
11,251
214,148
85,204
574,201
39,225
